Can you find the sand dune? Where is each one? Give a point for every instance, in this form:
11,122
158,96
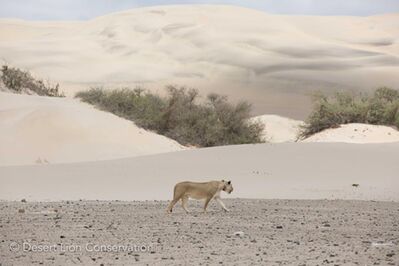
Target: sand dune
282,129
279,129
271,171
42,130
35,129
357,133
270,60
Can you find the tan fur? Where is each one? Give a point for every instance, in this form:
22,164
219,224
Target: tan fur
195,190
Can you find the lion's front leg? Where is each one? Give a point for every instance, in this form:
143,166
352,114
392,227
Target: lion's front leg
184,201
206,203
221,203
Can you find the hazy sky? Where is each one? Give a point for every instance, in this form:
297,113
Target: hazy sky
86,9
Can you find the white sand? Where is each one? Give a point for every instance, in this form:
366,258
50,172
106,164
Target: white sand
36,129
272,61
356,133
279,129
282,129
280,171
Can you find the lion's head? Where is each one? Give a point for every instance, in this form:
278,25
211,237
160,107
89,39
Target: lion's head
228,187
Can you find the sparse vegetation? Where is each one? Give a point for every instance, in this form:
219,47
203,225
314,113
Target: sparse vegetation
379,108
180,115
21,81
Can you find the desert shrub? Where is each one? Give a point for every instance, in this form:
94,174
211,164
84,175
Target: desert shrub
21,81
181,115
137,105
379,108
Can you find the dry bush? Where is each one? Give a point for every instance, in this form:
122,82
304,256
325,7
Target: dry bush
20,81
180,115
379,108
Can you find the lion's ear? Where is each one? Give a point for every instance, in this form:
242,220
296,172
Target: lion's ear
223,180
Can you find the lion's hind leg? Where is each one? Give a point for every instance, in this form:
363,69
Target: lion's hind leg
172,204
176,197
184,201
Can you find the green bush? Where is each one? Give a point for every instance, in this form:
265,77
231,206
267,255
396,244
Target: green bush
379,108
180,115
19,81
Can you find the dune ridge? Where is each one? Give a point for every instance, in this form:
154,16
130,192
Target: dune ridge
36,129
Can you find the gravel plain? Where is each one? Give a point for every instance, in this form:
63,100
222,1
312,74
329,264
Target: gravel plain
254,232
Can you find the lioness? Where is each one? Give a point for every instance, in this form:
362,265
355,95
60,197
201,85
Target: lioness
194,190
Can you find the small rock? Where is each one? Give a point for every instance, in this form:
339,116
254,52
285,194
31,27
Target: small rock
279,227
239,233
23,200
21,211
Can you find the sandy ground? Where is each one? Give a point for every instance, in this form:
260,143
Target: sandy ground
357,133
279,129
280,171
43,130
274,232
273,61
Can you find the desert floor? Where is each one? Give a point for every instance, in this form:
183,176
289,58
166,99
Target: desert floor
274,232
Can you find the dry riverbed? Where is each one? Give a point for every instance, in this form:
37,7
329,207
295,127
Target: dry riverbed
258,232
